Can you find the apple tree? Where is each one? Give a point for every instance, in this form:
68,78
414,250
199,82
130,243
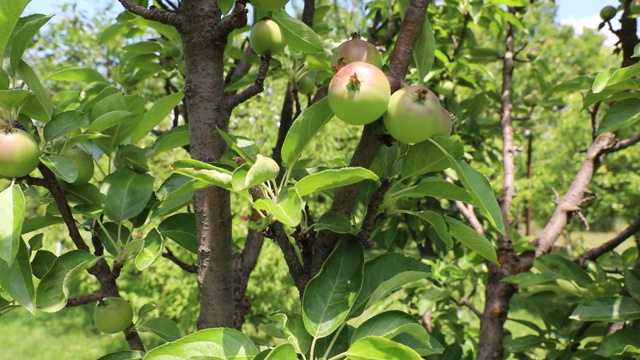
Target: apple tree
349,183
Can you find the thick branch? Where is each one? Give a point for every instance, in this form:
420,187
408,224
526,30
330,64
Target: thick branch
308,12
594,253
152,13
254,89
237,20
572,199
372,218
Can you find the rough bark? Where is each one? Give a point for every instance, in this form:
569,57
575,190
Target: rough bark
203,54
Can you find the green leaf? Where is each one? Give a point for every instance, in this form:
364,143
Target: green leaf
437,222
387,273
287,211
53,290
154,116
335,222
243,146
42,263
283,352
64,123
471,239
30,78
17,279
562,267
294,330
621,115
263,170
434,187
210,174
132,157
152,249
379,348
608,309
181,228
333,178
111,119
228,344
624,341
389,324
330,295
124,355
64,168
10,11
174,138
11,99
22,36
12,213
125,194
304,128
40,222
163,327
424,157
175,193
77,74
478,187
297,35
613,77
632,282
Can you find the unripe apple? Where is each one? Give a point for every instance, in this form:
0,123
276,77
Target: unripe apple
414,115
19,153
266,38
354,50
112,315
608,12
359,93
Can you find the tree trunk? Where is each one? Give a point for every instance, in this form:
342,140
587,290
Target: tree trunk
203,55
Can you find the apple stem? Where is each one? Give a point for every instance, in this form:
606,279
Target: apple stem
354,82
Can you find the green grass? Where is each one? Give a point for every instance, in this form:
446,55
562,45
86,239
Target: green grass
69,334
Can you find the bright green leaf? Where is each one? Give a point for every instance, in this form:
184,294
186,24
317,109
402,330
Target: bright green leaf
12,213
330,294
17,279
304,129
297,35
608,309
379,348
333,178
472,239
228,344
125,193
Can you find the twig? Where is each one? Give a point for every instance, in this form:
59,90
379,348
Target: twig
254,89
594,253
86,299
465,302
152,13
183,265
50,183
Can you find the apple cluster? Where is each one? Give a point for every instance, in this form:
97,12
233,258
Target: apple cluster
360,93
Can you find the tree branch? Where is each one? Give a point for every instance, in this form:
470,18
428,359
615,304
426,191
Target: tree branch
152,13
243,264
372,218
183,265
86,299
572,199
369,144
594,253
50,183
236,20
233,100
